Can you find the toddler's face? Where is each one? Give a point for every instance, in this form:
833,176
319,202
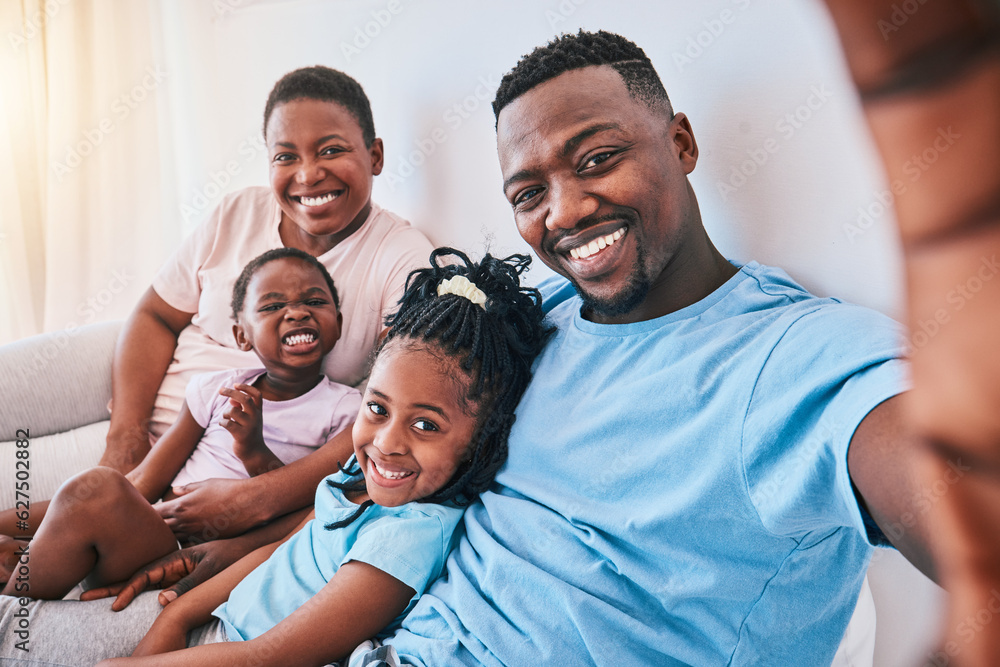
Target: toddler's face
414,427
289,318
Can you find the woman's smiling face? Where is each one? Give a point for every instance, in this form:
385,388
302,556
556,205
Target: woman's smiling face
321,172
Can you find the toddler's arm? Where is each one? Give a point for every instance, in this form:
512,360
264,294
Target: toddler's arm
153,475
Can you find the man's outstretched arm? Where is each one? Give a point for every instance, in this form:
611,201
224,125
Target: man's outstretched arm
929,79
888,471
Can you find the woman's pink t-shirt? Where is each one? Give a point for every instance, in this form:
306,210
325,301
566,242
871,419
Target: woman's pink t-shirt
369,269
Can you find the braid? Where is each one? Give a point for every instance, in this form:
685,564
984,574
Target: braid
354,485
495,345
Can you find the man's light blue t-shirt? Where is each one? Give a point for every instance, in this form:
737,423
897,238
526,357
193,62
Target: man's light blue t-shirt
676,492
409,542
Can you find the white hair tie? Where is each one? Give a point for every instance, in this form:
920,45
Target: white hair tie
462,286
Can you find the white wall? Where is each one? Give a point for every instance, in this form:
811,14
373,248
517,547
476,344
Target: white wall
769,60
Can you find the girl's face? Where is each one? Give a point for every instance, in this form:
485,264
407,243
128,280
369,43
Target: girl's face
321,173
289,319
413,429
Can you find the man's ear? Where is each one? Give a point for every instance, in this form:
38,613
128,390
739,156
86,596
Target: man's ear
241,338
683,138
382,335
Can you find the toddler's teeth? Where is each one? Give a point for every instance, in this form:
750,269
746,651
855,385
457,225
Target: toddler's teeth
298,339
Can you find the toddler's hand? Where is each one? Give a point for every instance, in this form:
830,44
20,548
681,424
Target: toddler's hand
245,422
244,419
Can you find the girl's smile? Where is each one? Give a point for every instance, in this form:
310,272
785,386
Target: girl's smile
414,429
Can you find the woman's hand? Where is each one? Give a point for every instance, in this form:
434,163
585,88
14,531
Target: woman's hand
211,509
125,447
244,421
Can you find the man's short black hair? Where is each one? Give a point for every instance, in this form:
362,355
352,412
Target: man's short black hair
584,49
327,85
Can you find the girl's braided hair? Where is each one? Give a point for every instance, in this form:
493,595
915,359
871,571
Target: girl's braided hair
495,345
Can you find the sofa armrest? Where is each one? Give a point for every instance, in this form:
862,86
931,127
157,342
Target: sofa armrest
57,381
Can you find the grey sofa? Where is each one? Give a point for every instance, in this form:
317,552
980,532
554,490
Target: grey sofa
56,387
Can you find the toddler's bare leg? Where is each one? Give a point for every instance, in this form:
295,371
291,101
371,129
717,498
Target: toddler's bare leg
97,522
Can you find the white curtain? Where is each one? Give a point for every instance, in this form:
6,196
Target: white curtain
82,162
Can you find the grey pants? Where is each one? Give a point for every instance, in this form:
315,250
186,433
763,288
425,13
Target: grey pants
59,633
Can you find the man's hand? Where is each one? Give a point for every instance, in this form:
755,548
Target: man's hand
179,572
209,510
937,78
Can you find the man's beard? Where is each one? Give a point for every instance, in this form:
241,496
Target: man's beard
623,303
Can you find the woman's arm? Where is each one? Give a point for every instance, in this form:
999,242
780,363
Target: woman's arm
255,501
153,475
143,353
358,602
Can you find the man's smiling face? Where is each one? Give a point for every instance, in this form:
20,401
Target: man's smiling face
598,184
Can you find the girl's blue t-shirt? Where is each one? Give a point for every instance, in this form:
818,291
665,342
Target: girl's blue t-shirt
409,542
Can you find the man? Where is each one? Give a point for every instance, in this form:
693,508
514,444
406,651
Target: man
701,462
704,452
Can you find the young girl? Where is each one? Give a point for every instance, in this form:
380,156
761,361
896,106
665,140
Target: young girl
102,523
431,435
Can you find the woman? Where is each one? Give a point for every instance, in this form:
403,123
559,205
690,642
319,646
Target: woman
323,156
